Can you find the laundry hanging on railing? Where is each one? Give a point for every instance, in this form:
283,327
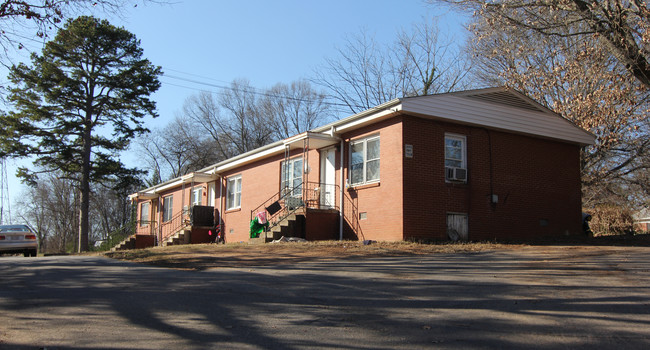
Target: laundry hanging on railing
256,228
261,217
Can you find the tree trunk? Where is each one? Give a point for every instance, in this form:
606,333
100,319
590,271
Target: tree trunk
84,209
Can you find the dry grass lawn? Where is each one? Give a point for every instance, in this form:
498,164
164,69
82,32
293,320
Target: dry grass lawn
205,256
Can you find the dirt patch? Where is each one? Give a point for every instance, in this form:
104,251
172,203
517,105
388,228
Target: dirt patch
205,256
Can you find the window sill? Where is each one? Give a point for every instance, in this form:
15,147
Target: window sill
233,210
363,186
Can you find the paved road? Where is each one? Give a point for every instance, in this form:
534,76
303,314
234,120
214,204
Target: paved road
534,297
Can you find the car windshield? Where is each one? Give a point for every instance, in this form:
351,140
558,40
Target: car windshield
14,228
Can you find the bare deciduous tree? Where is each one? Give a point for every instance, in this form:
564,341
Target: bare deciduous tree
204,112
295,108
582,81
177,148
244,124
22,20
213,127
32,209
621,27
113,213
52,210
366,74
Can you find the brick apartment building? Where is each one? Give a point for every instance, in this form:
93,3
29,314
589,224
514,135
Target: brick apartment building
477,165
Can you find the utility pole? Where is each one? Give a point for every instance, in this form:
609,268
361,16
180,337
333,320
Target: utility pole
5,207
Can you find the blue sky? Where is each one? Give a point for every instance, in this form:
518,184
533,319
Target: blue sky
266,42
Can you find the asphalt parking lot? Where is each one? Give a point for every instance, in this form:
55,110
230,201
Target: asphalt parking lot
533,297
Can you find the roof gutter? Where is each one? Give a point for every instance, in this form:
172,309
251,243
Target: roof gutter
331,129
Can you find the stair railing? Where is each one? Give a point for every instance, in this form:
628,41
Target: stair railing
146,227
175,224
311,198
288,202
316,195
351,216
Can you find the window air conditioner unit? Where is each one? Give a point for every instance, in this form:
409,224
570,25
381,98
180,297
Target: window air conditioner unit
456,174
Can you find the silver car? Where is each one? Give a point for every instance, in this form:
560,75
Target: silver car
15,239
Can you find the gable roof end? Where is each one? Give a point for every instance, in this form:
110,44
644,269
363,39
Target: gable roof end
500,109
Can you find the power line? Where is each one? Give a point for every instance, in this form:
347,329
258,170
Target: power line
251,90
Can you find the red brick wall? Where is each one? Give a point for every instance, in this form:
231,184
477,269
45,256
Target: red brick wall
202,235
144,241
382,202
260,181
183,196
535,180
642,227
321,225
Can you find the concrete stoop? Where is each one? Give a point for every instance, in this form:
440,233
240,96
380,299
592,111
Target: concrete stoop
180,237
127,244
290,226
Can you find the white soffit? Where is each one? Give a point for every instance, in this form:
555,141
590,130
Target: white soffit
146,195
198,177
174,183
315,140
249,157
503,110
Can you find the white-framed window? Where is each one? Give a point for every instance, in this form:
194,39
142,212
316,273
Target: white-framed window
455,158
197,193
168,208
455,151
364,161
291,175
233,192
144,214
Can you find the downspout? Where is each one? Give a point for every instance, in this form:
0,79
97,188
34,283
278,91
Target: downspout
342,192
159,219
220,194
223,233
182,200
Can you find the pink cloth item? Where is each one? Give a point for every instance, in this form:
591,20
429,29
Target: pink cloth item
261,217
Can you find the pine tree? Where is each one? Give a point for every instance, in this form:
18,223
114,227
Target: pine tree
80,103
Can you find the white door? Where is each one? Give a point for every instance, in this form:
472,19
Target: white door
211,194
328,178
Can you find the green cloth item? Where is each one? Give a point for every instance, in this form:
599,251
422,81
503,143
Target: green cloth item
256,228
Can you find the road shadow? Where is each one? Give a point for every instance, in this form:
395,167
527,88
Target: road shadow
498,299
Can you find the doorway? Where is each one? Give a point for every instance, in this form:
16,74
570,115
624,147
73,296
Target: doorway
328,178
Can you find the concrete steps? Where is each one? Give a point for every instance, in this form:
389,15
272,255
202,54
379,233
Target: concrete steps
127,244
290,226
180,237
